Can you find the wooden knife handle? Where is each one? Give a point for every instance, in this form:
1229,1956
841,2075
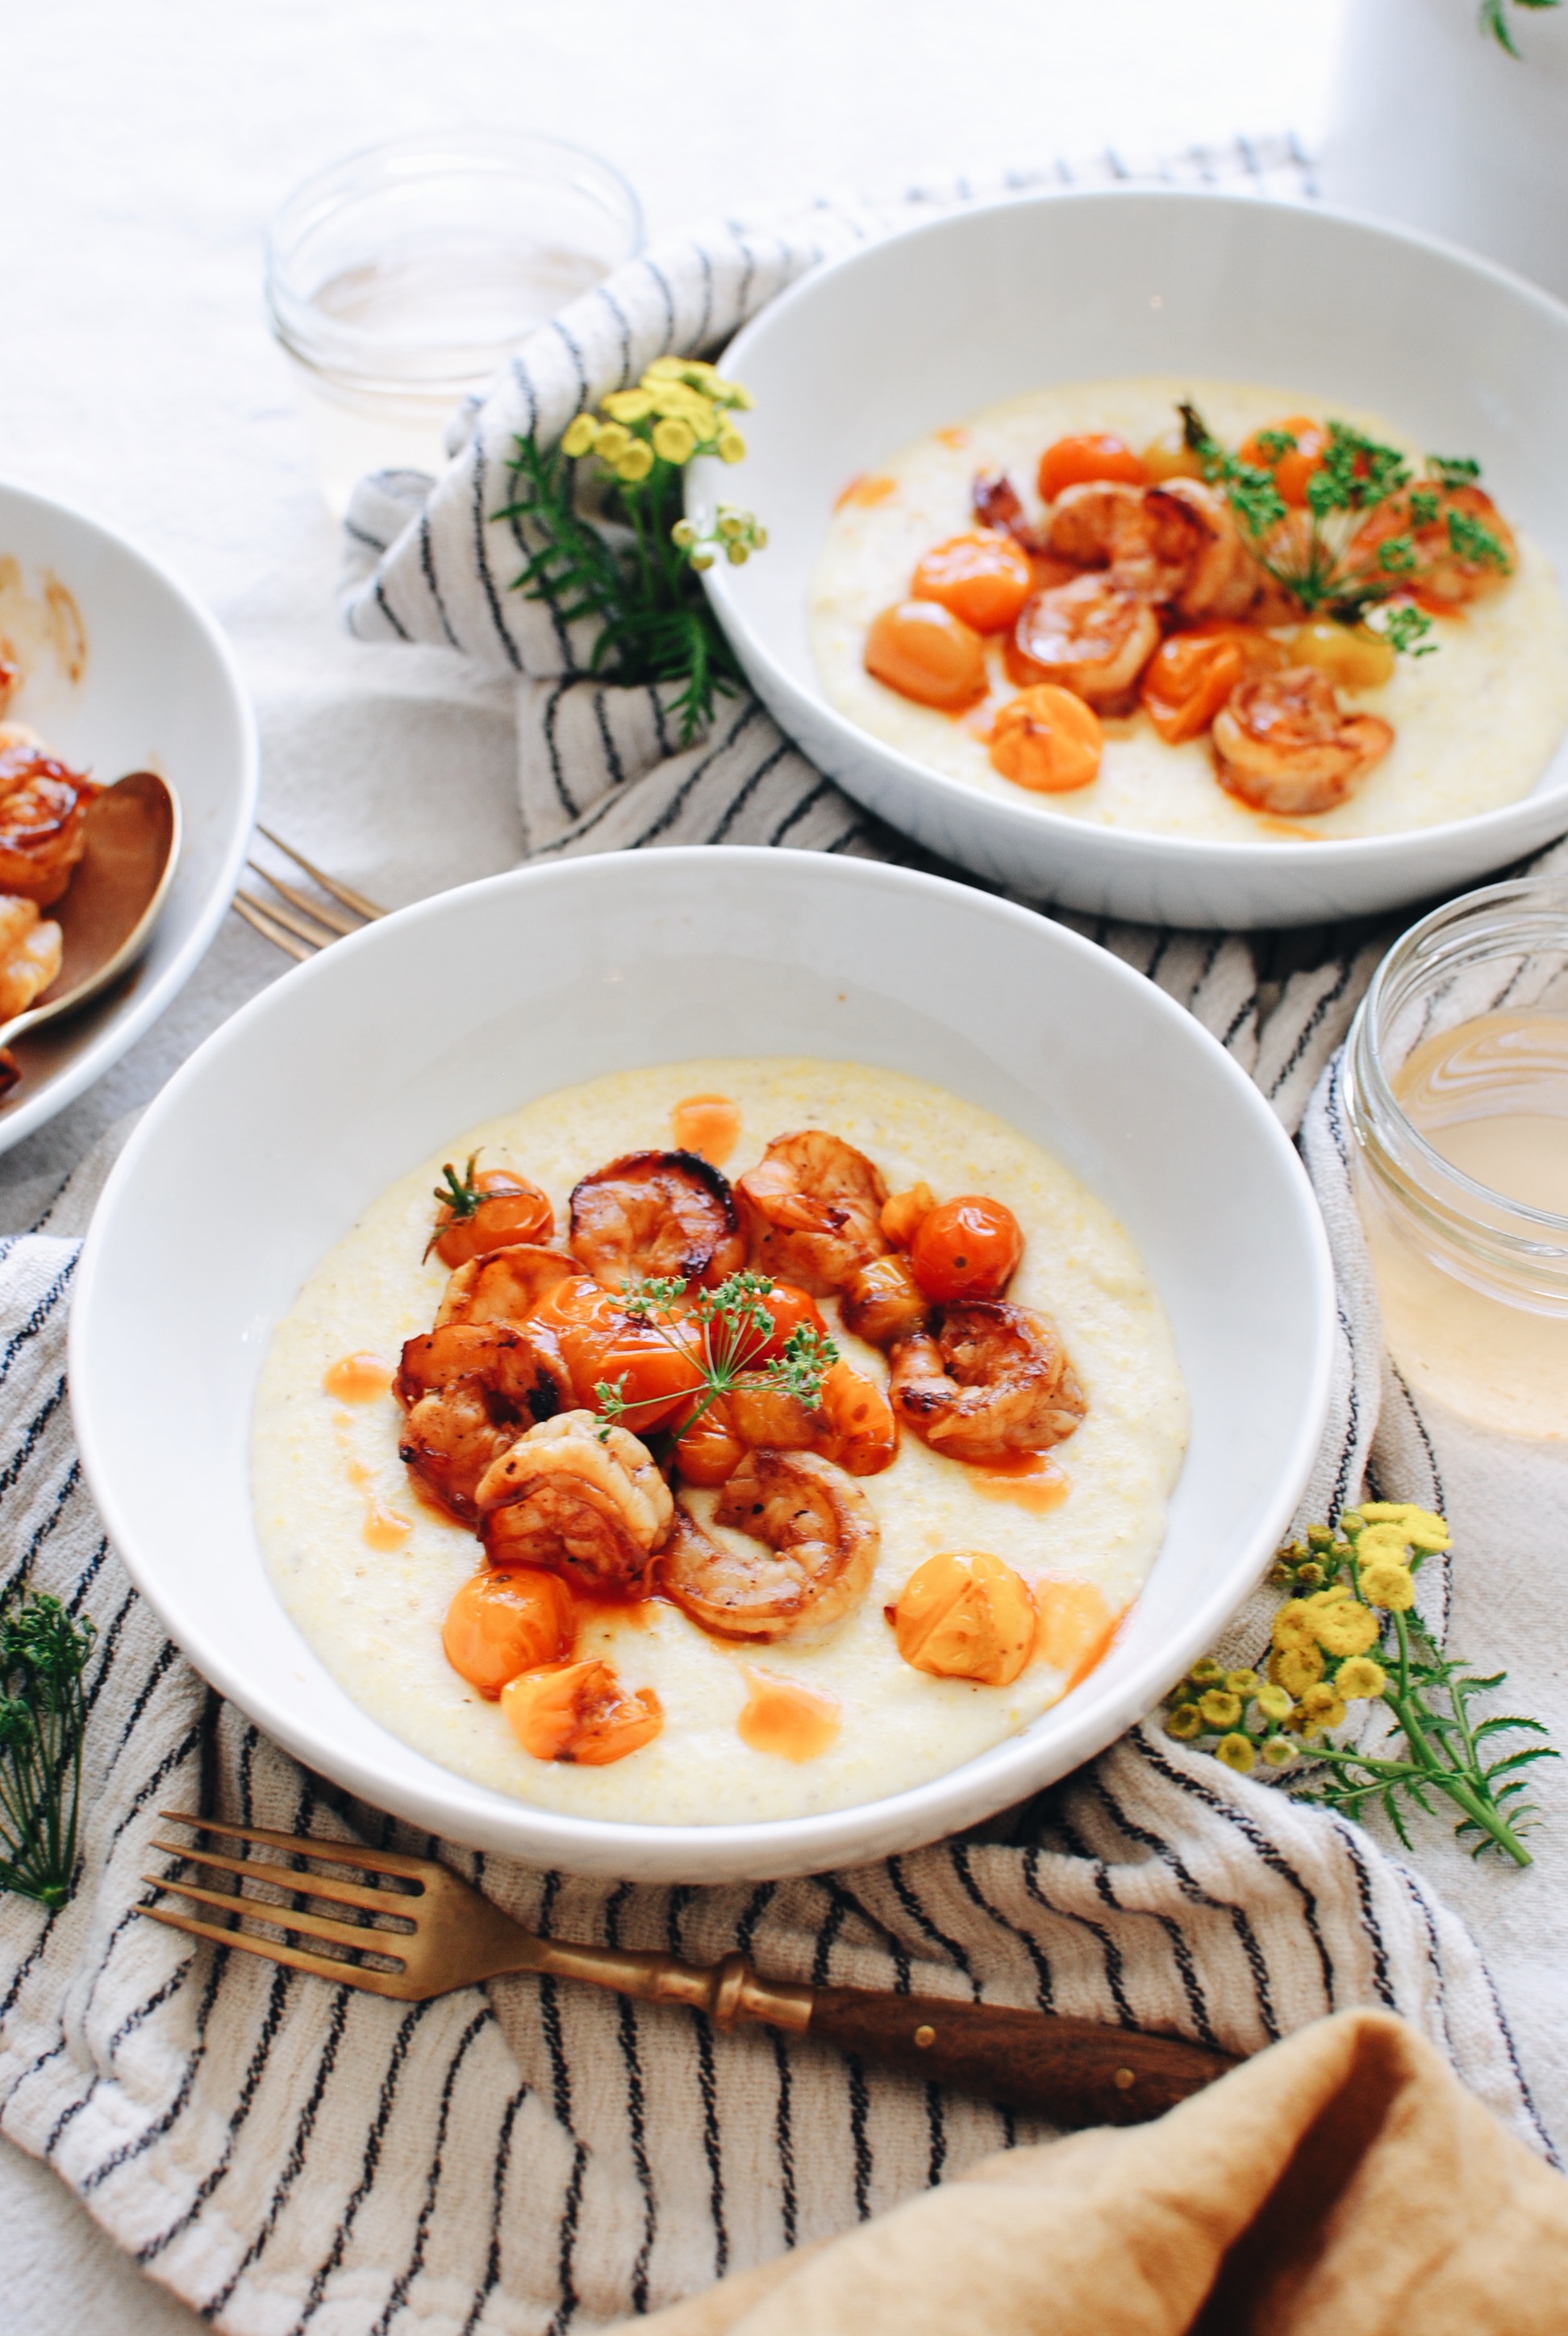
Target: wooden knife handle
1073,2072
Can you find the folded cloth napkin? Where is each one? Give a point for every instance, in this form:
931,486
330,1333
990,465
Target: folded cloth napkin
533,2157
1343,2185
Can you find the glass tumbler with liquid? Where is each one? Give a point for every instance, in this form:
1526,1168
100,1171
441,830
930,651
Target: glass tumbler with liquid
400,280
1456,1087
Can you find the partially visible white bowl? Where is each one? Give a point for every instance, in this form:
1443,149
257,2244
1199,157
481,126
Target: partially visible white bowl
160,690
934,323
267,1145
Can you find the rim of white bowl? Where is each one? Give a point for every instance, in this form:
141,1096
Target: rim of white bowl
142,1008
1329,853
452,1806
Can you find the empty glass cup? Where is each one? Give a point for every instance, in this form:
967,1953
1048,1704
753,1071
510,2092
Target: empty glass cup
399,281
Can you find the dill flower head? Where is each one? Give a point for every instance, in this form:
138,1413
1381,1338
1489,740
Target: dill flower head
1387,1584
1184,1722
1219,1709
1237,1752
1361,1679
1347,1630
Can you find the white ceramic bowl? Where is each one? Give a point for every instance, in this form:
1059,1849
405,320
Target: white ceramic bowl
160,690
937,322
266,1145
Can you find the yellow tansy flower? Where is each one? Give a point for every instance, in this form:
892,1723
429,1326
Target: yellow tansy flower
1278,1752
1274,1702
613,443
731,446
1237,1752
636,463
628,404
1361,1679
1205,1672
664,369
1346,1631
1294,1625
1422,1528
1382,1544
1295,1669
1242,1683
1335,1595
1219,1709
1185,1722
1321,1708
674,439
580,436
1389,1585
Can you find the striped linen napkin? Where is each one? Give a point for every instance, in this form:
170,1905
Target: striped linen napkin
530,2157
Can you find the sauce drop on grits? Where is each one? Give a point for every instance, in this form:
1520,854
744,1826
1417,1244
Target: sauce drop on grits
1475,723
808,1722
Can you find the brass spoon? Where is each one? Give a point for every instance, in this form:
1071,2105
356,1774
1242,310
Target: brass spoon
117,894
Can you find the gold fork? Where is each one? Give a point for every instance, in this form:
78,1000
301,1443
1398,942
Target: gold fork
302,926
437,1933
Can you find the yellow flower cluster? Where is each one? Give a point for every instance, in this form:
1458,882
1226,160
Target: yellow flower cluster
681,407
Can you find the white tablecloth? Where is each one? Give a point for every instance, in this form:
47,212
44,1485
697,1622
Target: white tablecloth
145,146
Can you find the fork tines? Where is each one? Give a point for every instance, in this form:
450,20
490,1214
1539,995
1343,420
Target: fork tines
387,1975
294,922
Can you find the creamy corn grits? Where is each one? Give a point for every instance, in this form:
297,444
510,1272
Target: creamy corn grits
322,1468
1475,723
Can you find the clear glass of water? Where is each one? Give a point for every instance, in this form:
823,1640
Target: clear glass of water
399,280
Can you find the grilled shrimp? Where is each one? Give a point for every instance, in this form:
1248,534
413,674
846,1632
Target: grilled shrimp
1090,637
812,1210
656,1212
43,820
818,1539
1448,576
1281,744
468,1386
1175,546
504,1286
995,502
584,1500
994,1379
30,954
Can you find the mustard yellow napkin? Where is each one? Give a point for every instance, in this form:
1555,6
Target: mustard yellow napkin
1341,2185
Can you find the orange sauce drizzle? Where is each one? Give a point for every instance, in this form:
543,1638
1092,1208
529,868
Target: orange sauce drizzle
1075,1626
383,1528
707,1124
358,1379
1031,1480
780,1717
867,490
956,437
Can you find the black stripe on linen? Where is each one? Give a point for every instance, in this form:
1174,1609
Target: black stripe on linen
1045,1991
39,1948
575,353
681,1898
42,1531
34,1321
623,330
128,2026
152,1785
16,1465
88,1575
761,1899
936,2120
378,594
860,2116
277,1997
560,2092
913,1907
1108,1945
107,1650
160,2126
488,2285
564,796
667,296
843,1901
1256,1839
1247,1938
162,1663
743,794
295,2161
427,563
750,712
1347,1449
784,2141
748,273
611,752
1369,1924
416,2263
661,729
482,554
1311,1026
1197,2003
370,2166
635,2109
699,337
808,801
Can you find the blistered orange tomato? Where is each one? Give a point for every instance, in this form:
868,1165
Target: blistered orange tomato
579,1712
966,1248
504,1621
599,1344
963,1614
509,1208
901,1214
984,579
790,1308
858,1430
1047,740
1291,470
1190,677
923,651
1072,461
711,1450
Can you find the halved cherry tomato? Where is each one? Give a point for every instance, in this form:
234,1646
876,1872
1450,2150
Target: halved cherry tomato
966,1248
901,1214
598,1343
1072,461
711,1451
858,1428
1047,740
504,1621
923,651
579,1712
790,1308
511,1210
1293,469
1190,677
983,579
